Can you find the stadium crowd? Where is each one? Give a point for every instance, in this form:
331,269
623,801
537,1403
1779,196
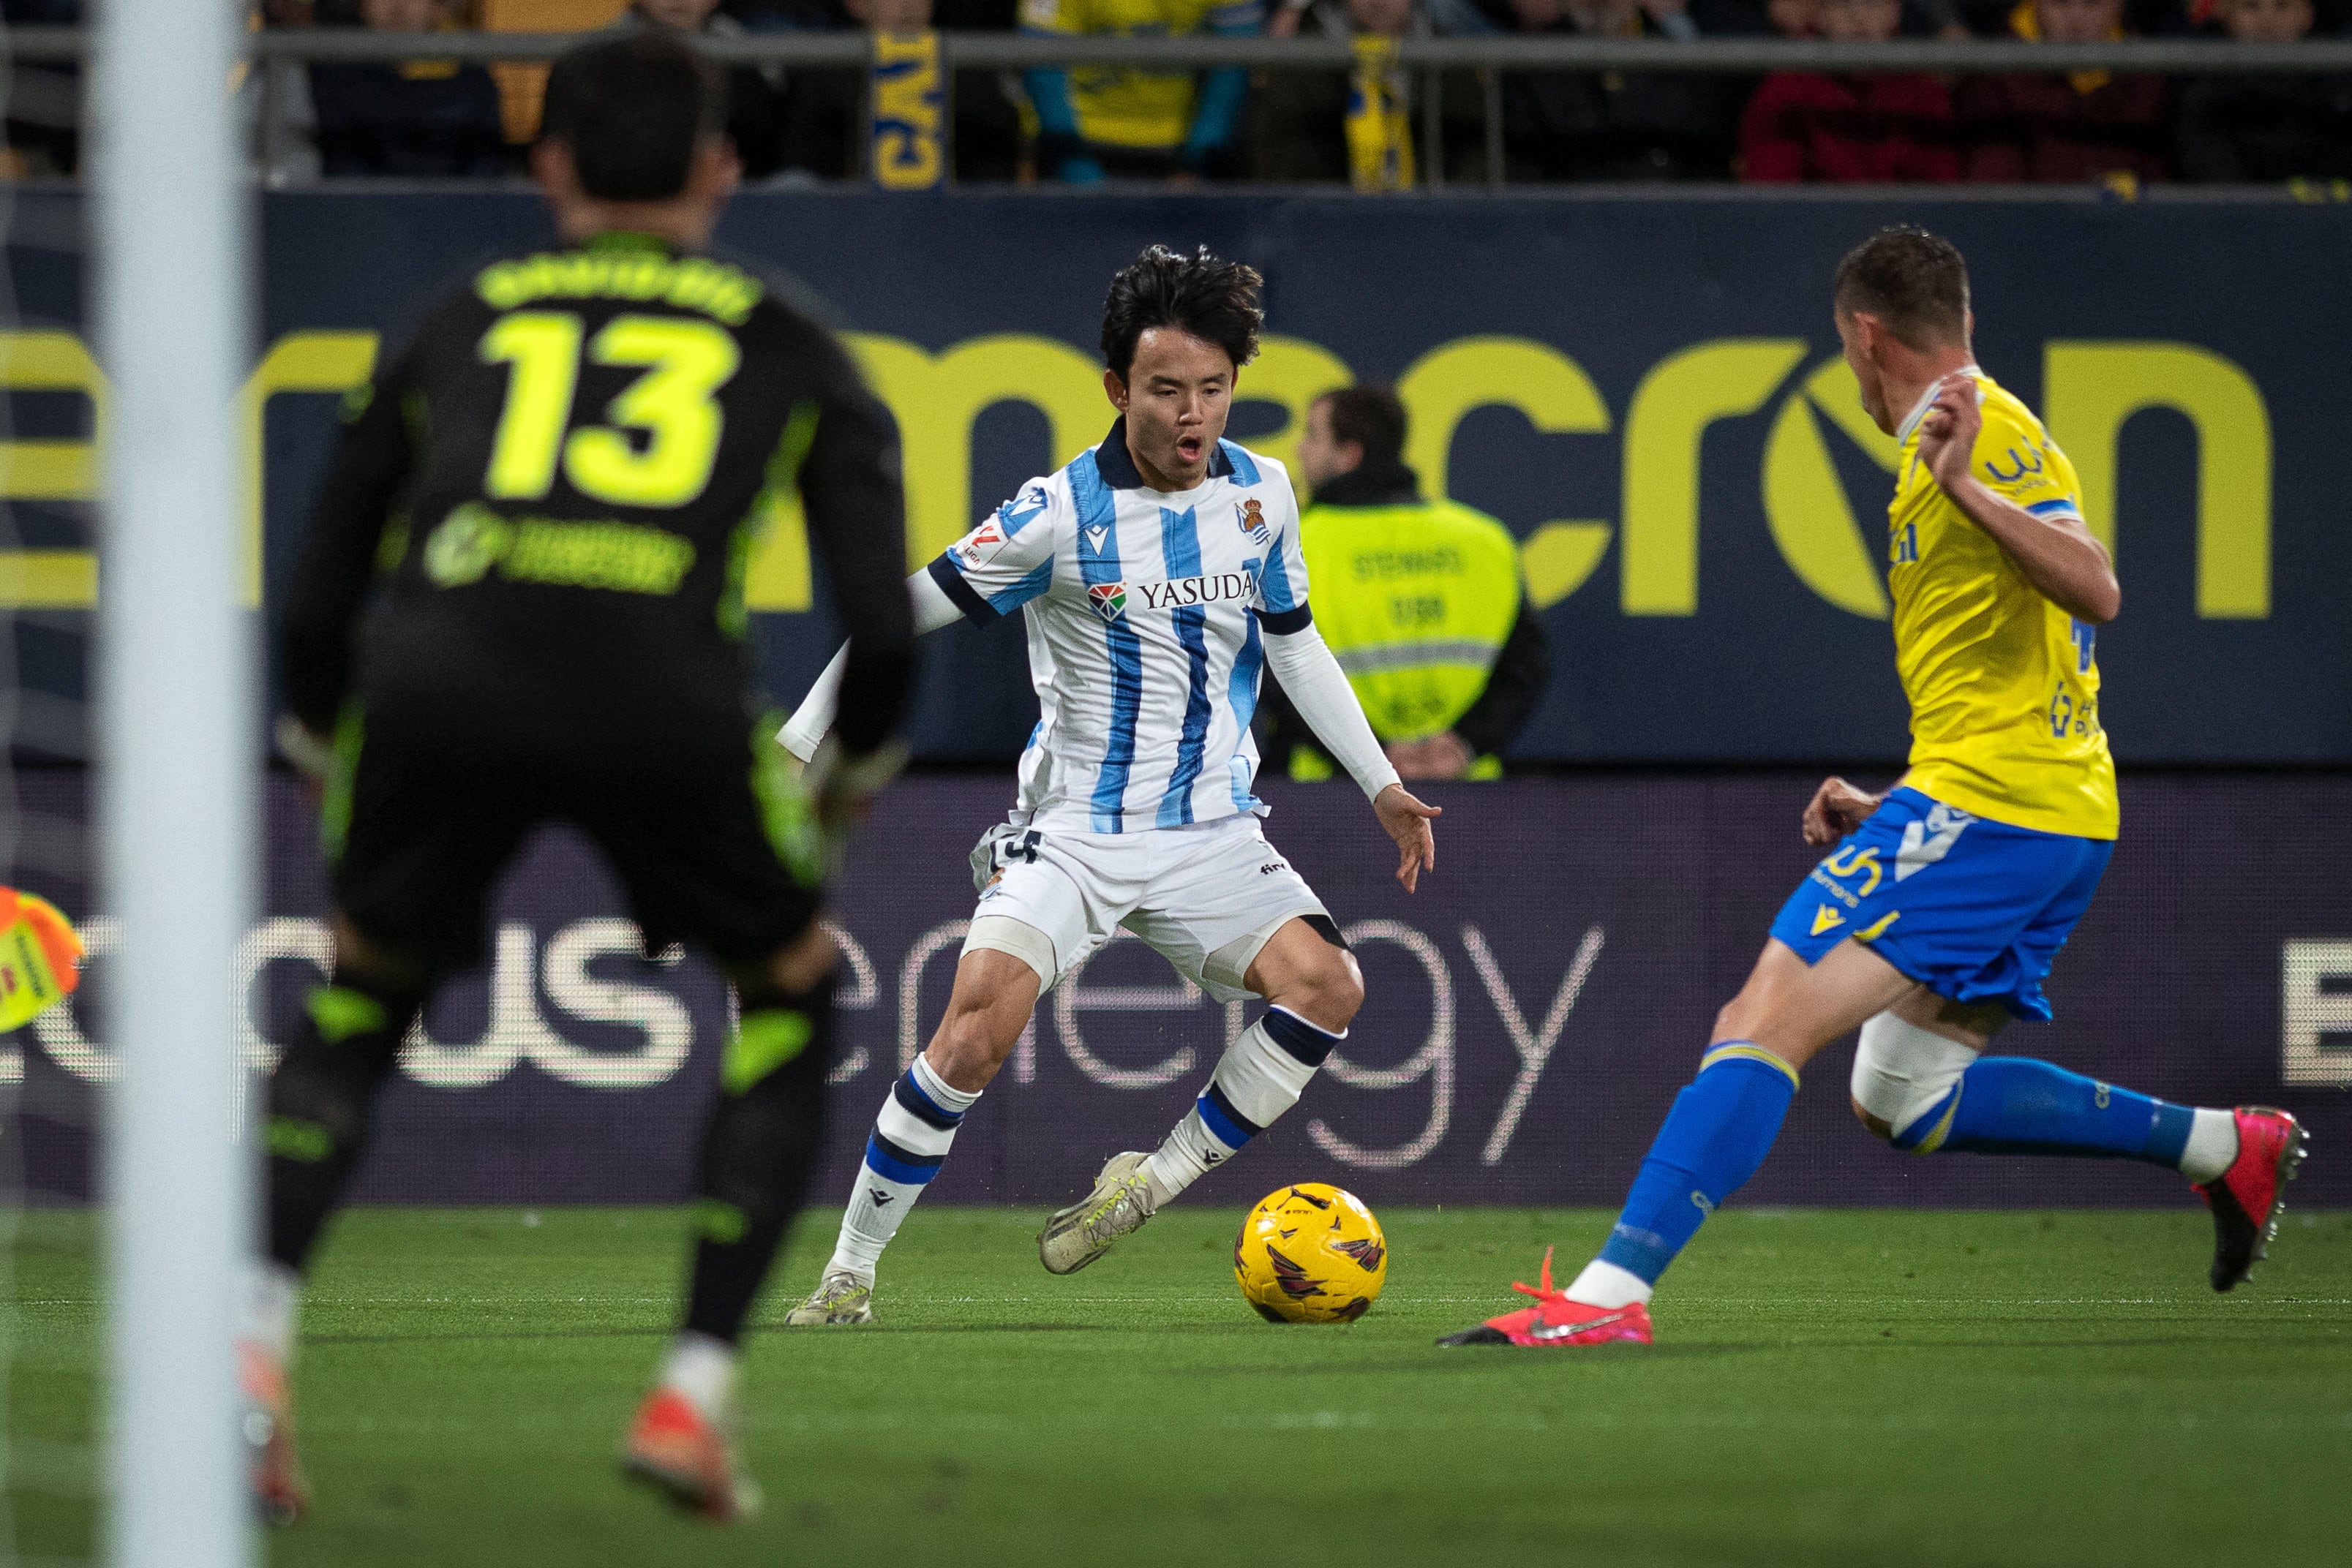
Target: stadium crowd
427,119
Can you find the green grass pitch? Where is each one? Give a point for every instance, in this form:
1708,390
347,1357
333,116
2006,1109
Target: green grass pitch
1929,1388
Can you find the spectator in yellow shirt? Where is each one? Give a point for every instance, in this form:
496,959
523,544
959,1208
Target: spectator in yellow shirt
1101,120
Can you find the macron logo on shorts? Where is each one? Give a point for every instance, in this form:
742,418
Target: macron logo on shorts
1926,842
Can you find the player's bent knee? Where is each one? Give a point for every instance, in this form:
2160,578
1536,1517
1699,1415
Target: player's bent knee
1341,986
1906,1082
1327,988
1015,939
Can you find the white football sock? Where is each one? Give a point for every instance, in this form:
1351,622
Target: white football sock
1607,1285
272,1300
2212,1145
910,1138
1261,1075
702,1369
1183,1157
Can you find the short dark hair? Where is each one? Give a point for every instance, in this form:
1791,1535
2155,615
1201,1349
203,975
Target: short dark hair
633,110
1214,299
1914,281
1370,416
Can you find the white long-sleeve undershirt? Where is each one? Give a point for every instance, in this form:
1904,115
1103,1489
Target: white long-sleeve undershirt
805,730
1319,689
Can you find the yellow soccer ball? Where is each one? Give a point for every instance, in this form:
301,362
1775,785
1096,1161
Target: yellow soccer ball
1310,1254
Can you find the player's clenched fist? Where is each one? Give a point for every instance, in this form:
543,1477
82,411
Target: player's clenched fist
1947,435
1836,810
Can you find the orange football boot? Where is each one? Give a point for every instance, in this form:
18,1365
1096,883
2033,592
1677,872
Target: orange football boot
1556,1320
672,1448
2247,1197
280,1491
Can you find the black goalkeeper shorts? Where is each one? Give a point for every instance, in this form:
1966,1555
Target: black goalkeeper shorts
711,839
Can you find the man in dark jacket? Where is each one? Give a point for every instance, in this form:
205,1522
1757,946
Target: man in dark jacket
421,119
755,94
2242,130
1628,125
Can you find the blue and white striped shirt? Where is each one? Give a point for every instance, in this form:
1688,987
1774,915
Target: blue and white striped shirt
1145,612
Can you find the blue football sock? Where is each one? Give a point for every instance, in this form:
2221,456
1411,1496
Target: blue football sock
1718,1131
2014,1105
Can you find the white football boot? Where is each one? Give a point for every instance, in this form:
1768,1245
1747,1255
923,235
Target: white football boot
840,1298
1120,1203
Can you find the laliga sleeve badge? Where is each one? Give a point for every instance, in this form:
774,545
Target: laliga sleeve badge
39,957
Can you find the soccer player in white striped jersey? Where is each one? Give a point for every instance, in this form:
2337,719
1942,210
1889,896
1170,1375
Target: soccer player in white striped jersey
1160,574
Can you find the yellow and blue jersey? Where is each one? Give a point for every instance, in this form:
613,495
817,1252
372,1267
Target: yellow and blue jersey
2003,684
1971,875
1115,106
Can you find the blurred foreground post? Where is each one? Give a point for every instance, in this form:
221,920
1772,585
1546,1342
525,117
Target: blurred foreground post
178,764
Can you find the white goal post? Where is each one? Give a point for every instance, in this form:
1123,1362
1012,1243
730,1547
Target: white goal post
179,756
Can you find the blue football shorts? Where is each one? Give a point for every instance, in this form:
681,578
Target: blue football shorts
1974,910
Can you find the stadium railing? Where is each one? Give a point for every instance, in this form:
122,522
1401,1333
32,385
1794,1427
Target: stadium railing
281,53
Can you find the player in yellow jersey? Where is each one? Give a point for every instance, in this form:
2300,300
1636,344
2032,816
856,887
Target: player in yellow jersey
1935,918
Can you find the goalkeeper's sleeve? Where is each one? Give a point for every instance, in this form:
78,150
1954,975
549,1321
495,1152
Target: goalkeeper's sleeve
317,635
1319,689
806,729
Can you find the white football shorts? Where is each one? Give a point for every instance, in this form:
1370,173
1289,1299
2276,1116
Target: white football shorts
1206,898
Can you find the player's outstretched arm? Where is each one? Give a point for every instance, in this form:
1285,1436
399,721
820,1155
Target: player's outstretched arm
1319,688
813,719
994,570
338,560
2055,551
856,512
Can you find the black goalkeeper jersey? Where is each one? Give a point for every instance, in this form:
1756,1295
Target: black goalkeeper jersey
557,487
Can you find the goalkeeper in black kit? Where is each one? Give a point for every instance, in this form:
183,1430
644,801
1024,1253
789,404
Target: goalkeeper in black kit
549,500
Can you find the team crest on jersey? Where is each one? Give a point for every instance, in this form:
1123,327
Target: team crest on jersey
1251,517
1110,600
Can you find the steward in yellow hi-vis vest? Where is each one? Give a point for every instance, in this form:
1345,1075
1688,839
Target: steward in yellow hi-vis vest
1421,602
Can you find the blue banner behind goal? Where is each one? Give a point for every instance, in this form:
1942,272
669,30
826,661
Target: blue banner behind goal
1646,388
